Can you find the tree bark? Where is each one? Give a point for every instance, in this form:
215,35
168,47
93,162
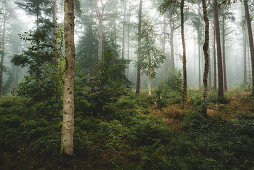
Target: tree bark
248,20
224,52
139,45
172,29
124,20
129,18
164,48
214,61
220,68
206,54
3,54
199,61
100,15
149,75
68,95
184,55
244,56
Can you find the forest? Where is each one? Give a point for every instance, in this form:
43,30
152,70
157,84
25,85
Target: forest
125,85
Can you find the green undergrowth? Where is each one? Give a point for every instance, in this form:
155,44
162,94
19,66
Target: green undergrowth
128,137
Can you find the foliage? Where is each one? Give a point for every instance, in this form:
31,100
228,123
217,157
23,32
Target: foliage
87,49
151,57
132,138
106,82
44,80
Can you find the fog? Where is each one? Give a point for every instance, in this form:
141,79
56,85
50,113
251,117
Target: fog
20,20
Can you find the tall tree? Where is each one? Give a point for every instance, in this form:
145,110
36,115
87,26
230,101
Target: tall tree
151,57
206,54
139,45
224,48
218,42
184,54
244,52
100,15
248,20
128,44
124,23
68,95
214,60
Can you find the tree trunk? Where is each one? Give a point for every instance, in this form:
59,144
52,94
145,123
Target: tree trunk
100,15
164,48
124,20
248,20
210,54
224,52
184,55
220,68
3,55
139,45
68,95
129,18
210,74
149,75
172,45
206,55
214,61
100,48
244,56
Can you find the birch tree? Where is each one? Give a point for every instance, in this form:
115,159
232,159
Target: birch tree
100,12
68,95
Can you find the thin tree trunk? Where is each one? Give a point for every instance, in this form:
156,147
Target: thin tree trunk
210,54
3,54
139,45
172,45
249,62
206,55
210,74
124,20
128,68
100,48
164,48
184,55
244,56
149,75
100,15
248,20
220,68
214,61
224,52
68,95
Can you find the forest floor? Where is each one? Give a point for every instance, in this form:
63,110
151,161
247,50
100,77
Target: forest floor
133,133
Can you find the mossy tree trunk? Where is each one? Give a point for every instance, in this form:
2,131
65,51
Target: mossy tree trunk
184,55
206,54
